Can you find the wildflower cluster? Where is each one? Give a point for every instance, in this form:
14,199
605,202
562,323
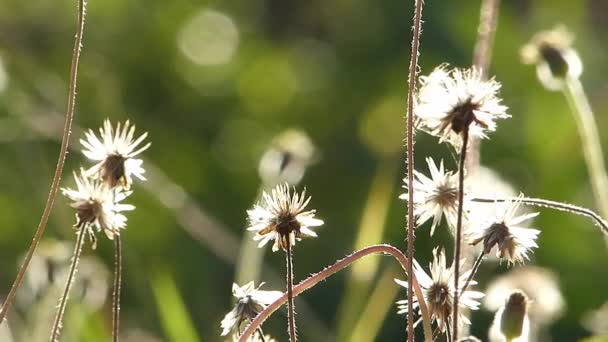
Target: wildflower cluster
98,198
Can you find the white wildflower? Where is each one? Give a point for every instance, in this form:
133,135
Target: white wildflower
438,291
250,302
97,206
114,153
513,242
282,218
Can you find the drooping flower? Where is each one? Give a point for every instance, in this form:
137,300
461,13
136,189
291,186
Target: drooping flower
438,291
287,158
436,196
114,153
97,206
512,242
555,59
450,101
282,217
250,302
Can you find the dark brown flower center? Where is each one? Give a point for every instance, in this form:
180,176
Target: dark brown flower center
113,170
463,115
286,224
554,57
439,300
446,196
87,213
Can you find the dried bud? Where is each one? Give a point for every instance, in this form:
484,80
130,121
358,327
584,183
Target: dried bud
514,315
286,160
554,57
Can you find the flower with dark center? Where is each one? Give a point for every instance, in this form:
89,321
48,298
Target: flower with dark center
450,101
97,206
502,231
114,154
282,217
436,196
438,291
250,302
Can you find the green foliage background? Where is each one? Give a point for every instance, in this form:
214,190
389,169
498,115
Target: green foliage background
334,68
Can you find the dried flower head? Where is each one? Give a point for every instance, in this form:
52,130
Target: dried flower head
450,101
539,284
438,291
250,302
282,218
287,159
512,242
97,206
435,196
555,59
114,154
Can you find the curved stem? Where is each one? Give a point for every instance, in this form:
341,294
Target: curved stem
410,161
592,149
333,269
56,330
290,307
599,221
60,163
458,243
116,289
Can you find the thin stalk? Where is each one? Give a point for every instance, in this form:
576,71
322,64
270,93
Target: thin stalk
410,161
473,271
339,265
458,243
60,163
116,290
56,330
290,307
482,55
592,149
569,208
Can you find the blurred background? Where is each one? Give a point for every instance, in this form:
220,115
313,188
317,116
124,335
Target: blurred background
233,92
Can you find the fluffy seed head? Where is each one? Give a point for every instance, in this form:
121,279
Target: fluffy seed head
450,101
282,217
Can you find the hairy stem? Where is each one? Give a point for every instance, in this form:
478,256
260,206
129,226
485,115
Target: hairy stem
57,324
335,268
573,209
290,308
410,161
116,289
60,163
458,243
592,149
